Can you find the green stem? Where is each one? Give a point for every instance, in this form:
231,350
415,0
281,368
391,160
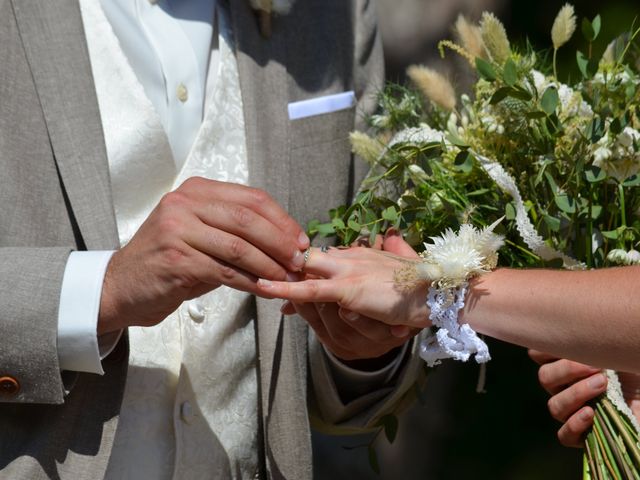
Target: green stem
555,71
590,231
603,447
614,416
522,249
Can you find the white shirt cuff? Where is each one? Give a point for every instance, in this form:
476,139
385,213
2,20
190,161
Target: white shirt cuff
78,348
357,382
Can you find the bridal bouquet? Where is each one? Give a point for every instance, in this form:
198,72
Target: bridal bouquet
559,161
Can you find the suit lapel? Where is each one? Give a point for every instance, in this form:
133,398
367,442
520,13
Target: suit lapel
282,356
263,84
54,42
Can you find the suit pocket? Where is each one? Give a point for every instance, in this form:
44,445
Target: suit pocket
321,164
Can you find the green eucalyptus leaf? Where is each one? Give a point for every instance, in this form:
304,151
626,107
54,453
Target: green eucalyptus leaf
390,425
594,174
616,126
464,161
338,224
325,229
583,61
552,222
611,234
373,460
550,100
390,214
596,24
510,74
485,69
588,30
354,225
520,93
596,211
632,181
499,95
565,203
510,211
373,233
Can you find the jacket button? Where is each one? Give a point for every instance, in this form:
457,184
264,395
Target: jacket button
9,386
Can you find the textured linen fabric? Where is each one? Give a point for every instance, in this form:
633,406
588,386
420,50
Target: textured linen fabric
52,148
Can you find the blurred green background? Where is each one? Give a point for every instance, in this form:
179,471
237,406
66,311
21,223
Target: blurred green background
505,433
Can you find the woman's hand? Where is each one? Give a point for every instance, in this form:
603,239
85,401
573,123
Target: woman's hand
571,385
361,281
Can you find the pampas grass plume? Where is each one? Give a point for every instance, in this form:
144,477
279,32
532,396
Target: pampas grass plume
470,37
563,26
434,86
367,148
495,38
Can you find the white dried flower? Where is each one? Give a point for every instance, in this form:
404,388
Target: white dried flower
633,257
617,256
620,158
563,26
464,255
417,135
495,38
434,86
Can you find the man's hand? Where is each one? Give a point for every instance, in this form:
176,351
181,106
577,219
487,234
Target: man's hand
202,235
571,385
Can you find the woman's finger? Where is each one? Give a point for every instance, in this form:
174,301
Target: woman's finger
556,375
565,403
307,291
322,262
541,357
572,433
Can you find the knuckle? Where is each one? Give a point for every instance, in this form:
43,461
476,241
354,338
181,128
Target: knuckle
242,216
172,200
237,249
259,197
192,183
543,376
226,274
554,408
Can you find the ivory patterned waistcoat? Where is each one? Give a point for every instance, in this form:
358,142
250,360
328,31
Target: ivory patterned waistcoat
190,403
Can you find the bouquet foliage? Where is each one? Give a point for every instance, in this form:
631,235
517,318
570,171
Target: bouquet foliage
559,161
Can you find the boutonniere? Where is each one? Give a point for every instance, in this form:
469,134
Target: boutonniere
265,9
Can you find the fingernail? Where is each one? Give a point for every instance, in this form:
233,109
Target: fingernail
303,240
399,331
351,316
284,306
298,259
596,382
585,415
265,283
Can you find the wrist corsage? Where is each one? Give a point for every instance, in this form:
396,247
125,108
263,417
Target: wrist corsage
448,264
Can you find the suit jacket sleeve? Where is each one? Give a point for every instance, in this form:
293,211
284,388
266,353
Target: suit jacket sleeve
30,282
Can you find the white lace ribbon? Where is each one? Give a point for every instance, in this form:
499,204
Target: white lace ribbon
452,340
527,231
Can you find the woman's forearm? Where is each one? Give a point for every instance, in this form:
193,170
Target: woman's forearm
588,316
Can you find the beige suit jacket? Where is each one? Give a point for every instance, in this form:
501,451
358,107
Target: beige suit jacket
55,197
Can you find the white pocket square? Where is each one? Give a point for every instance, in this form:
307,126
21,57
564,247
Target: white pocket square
320,105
